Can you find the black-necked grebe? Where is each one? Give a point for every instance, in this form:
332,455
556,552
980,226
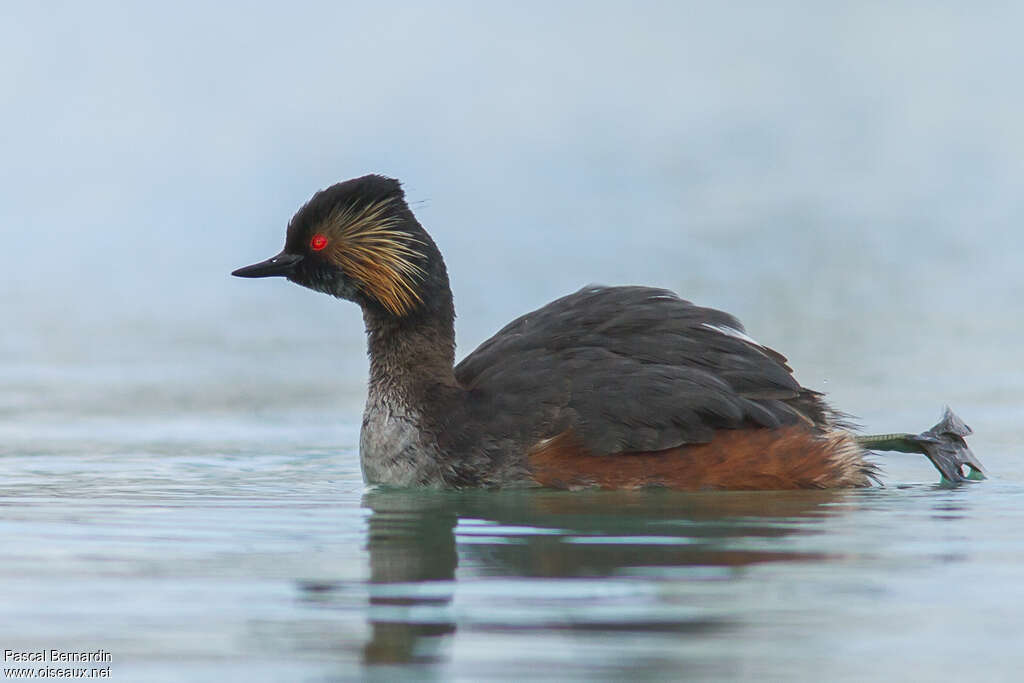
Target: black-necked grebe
613,387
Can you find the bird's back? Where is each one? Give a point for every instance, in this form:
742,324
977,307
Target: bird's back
632,369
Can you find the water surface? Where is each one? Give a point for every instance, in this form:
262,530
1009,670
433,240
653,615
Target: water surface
262,557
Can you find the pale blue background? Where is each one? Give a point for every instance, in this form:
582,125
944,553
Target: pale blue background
825,173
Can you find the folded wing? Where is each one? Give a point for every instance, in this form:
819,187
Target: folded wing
635,369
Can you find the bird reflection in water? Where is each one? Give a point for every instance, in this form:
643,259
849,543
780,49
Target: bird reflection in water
411,541
418,539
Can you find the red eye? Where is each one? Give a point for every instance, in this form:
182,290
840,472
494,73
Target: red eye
318,242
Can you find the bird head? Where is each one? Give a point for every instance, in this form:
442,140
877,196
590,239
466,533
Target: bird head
358,240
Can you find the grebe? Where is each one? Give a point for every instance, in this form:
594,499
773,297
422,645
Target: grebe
611,387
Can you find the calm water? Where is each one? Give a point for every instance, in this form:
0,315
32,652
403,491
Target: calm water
202,528
247,566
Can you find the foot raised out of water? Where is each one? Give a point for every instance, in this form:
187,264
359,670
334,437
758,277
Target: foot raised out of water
943,444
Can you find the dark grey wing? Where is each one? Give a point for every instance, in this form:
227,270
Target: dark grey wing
636,369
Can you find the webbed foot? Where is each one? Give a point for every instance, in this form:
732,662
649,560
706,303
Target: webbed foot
943,444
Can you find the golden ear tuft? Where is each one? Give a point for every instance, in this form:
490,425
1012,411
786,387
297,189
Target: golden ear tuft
368,244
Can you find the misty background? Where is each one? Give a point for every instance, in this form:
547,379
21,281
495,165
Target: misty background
845,178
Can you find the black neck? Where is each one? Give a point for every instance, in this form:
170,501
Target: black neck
410,352
415,351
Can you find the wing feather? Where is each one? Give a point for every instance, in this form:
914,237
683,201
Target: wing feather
635,369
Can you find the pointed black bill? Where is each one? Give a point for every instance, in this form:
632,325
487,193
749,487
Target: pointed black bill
280,265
